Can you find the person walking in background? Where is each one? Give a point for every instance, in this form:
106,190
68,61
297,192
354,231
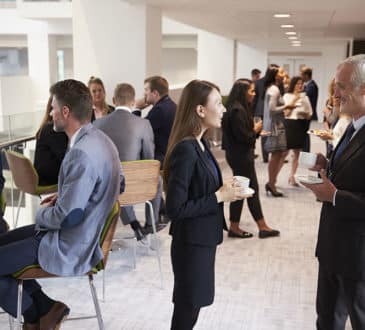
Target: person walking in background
341,243
274,126
50,149
97,90
239,137
194,201
296,122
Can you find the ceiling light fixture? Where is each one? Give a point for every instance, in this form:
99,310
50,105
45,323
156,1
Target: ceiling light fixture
290,33
293,38
281,15
287,26
296,45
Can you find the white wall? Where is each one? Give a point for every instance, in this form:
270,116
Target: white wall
179,65
110,42
216,60
249,58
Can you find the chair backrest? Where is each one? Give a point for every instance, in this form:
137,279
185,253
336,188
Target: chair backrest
141,181
106,237
24,175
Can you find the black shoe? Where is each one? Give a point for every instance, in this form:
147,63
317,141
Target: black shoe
147,229
139,234
268,233
273,192
163,219
244,234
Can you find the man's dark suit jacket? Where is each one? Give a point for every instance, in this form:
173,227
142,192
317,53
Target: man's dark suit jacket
258,101
191,204
161,117
341,237
311,89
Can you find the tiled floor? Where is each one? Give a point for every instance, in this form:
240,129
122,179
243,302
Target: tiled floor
260,284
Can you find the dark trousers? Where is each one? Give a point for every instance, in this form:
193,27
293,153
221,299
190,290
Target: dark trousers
265,154
18,249
307,140
245,167
338,297
184,317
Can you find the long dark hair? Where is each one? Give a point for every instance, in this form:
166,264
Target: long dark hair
238,94
293,82
187,123
270,78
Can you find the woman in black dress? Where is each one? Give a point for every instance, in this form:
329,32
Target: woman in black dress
194,201
239,137
50,150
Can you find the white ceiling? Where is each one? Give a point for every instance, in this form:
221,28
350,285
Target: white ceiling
252,22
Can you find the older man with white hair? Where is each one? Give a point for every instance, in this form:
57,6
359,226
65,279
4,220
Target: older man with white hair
341,238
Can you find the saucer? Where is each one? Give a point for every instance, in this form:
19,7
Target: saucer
248,193
309,179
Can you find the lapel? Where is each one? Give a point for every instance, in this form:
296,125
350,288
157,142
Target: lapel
356,142
206,163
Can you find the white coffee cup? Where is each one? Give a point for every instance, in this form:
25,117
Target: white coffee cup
307,159
243,182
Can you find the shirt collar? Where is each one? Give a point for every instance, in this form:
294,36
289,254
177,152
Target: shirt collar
121,107
359,123
73,138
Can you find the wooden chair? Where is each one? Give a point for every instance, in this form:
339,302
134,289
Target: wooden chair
25,178
36,272
141,185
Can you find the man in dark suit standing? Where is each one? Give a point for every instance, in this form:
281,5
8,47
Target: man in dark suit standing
311,89
161,117
162,114
341,238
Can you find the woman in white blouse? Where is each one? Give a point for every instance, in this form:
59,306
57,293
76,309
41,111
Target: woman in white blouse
296,121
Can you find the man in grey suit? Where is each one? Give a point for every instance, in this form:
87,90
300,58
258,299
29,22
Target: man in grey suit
65,238
133,137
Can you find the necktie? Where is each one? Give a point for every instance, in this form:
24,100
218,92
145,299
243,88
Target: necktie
346,140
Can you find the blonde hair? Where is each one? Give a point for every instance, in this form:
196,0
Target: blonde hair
98,81
46,118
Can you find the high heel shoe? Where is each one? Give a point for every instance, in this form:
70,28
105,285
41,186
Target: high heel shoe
273,192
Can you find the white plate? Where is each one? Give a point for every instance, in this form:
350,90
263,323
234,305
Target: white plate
309,179
248,193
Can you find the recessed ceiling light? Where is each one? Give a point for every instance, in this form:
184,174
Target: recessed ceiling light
287,26
281,15
290,33
293,38
296,45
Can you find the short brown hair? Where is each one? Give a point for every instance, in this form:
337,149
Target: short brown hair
159,84
307,71
124,94
76,96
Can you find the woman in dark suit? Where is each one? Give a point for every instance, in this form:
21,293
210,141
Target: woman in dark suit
239,137
50,150
194,201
